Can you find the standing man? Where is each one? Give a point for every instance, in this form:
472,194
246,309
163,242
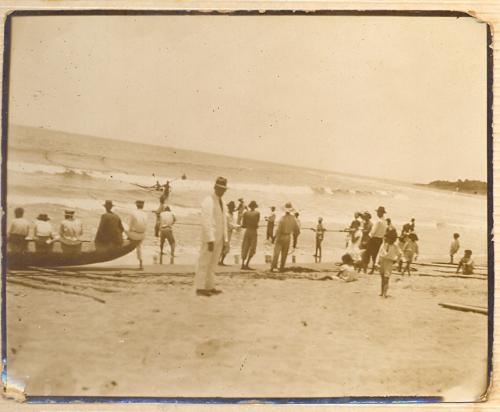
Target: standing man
110,230
250,223
213,238
70,231
18,232
270,224
138,224
240,209
377,234
286,227
296,232
167,220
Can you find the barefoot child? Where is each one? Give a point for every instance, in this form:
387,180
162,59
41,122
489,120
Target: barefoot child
455,245
410,252
347,272
320,234
466,263
389,254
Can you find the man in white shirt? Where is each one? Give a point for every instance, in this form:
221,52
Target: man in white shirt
70,231
138,224
18,232
376,238
213,238
166,220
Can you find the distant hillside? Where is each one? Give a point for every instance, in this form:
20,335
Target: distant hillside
476,187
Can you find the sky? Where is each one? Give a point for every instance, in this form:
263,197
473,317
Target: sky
390,97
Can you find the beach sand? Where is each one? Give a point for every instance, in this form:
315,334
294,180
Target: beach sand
132,333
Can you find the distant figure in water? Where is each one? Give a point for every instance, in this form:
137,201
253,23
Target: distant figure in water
166,190
230,227
167,220
158,186
70,231
410,252
296,232
320,235
250,222
138,224
183,177
110,231
44,234
466,263
271,219
213,238
18,232
455,246
286,227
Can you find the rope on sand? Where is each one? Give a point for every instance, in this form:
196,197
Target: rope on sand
45,280
53,289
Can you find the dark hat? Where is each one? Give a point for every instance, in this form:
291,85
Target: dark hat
288,207
69,212
108,203
231,205
139,202
43,216
221,182
413,236
367,214
381,209
253,203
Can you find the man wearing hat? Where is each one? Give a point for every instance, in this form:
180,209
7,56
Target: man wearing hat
377,234
137,227
70,231
213,238
286,227
110,230
250,223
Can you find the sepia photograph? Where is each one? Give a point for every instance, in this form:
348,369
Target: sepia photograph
247,206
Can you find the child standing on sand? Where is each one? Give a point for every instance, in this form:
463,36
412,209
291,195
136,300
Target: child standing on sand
389,254
347,272
455,245
320,234
466,263
410,252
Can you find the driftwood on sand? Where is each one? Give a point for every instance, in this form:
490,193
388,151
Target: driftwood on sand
465,308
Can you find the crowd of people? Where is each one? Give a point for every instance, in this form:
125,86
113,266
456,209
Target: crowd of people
367,241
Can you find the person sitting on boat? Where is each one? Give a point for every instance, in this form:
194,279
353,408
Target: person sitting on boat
466,263
18,232
69,233
137,228
110,231
44,234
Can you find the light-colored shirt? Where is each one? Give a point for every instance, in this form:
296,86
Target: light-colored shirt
213,219
138,224
167,219
347,273
43,228
71,229
455,245
390,252
287,225
19,226
379,228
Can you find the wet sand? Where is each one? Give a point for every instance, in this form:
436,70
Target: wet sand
109,332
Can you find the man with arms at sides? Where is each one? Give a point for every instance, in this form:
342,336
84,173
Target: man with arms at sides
213,238
110,230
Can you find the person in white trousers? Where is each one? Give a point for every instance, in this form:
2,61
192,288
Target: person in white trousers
213,238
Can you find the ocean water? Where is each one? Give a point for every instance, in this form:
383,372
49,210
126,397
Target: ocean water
48,171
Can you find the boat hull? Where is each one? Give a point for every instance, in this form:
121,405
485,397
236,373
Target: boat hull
89,254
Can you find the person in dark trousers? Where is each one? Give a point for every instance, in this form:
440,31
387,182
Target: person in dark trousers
110,231
250,223
286,227
376,235
296,232
271,219
18,232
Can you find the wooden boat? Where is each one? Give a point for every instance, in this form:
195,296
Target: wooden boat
56,257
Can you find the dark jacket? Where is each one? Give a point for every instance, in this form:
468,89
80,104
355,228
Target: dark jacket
109,232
